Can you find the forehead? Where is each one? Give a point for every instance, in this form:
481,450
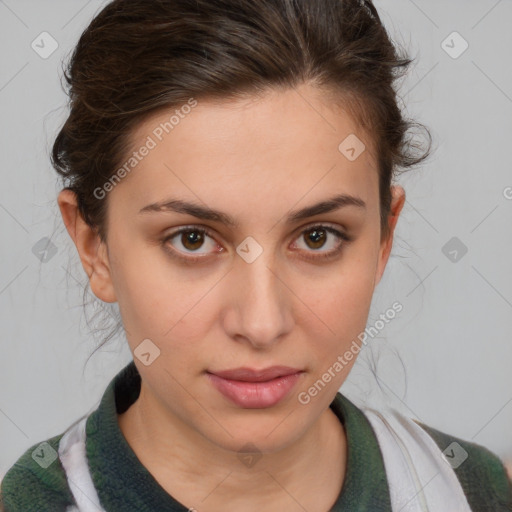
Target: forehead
286,143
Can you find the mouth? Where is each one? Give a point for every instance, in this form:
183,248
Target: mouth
256,389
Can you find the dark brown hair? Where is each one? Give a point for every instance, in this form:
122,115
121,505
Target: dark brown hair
138,57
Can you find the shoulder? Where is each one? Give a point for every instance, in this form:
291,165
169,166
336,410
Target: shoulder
481,473
36,481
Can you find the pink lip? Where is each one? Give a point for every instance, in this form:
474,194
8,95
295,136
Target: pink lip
256,389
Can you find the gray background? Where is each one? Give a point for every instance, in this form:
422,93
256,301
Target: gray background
453,334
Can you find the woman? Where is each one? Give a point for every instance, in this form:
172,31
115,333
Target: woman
228,175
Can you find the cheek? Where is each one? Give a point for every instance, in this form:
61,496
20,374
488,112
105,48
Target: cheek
341,301
159,301
147,297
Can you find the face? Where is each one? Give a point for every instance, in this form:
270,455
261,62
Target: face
264,281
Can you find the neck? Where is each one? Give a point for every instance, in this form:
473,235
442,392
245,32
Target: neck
306,474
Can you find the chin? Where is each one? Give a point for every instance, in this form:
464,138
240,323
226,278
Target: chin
266,435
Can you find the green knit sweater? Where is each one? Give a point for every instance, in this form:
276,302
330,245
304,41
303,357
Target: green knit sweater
123,484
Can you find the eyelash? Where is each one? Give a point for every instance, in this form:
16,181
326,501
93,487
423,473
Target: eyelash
205,231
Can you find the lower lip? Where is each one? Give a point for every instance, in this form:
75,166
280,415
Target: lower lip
255,395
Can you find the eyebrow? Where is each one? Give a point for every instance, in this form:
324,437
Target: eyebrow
206,213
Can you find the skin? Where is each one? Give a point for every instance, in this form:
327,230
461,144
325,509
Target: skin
255,160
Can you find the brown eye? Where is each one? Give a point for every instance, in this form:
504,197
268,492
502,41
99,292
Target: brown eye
315,238
189,241
192,240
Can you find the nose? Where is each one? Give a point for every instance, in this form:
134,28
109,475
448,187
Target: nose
260,304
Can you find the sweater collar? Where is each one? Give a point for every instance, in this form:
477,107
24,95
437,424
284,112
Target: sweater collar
123,483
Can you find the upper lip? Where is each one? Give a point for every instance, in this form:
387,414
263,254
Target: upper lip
252,375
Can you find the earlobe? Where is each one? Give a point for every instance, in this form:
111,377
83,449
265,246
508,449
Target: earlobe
92,251
397,203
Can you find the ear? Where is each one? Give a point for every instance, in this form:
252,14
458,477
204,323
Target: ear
93,252
397,203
